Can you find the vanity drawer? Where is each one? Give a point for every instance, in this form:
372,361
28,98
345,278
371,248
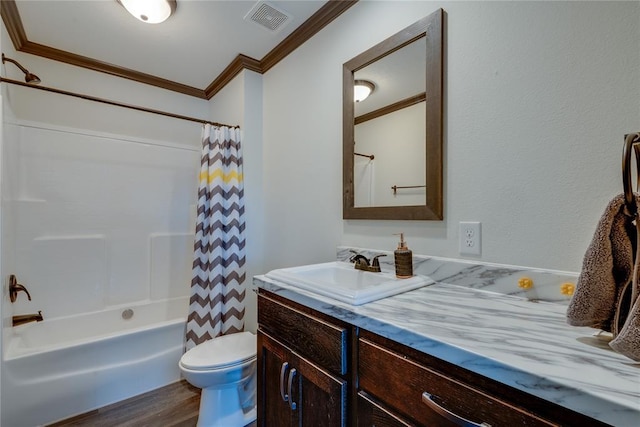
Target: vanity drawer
370,413
425,395
304,332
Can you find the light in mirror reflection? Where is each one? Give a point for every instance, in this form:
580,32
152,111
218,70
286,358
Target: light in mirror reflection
362,89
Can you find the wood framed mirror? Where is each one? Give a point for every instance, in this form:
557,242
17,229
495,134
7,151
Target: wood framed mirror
392,140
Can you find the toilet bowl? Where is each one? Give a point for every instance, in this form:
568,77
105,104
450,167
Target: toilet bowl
225,369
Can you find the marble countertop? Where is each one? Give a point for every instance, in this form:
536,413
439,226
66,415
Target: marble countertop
526,345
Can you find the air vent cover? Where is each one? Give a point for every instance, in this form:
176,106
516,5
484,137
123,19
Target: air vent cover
267,16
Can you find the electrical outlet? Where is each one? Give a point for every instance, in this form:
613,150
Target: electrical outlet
470,238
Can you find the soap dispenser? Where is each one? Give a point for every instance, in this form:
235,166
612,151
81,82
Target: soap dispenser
403,260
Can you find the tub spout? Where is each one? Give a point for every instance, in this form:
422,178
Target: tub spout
26,318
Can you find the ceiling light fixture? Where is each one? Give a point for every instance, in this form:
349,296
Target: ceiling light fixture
150,11
362,89
28,77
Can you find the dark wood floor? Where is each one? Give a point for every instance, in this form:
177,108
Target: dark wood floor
175,405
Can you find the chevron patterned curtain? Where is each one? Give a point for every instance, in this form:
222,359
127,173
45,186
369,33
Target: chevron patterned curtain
216,305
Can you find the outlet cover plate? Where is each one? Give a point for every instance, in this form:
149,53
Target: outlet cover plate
470,238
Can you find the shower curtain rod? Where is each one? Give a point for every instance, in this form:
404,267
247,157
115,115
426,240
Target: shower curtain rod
110,102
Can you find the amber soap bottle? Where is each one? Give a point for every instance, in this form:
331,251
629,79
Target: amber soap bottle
403,259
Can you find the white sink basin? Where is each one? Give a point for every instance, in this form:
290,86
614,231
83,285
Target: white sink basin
341,281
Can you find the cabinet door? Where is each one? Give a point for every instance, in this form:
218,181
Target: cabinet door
273,409
294,391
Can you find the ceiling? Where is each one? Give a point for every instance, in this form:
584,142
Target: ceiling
197,51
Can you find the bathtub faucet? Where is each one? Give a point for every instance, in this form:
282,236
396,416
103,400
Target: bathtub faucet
15,287
26,318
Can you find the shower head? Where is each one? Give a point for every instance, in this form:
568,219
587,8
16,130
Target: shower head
28,77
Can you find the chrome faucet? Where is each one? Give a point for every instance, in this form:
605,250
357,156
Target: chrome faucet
26,318
15,287
362,262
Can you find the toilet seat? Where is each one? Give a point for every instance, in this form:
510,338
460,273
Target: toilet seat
221,352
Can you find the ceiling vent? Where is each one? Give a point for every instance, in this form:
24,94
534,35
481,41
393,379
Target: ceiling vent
268,16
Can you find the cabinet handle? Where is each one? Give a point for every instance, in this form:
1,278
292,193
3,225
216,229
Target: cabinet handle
283,372
427,399
292,374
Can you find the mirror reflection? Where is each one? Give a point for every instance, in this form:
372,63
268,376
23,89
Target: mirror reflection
389,130
392,138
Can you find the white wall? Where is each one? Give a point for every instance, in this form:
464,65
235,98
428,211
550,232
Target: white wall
538,97
39,106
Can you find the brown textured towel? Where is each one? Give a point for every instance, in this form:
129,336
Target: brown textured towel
607,270
627,335
627,341
607,267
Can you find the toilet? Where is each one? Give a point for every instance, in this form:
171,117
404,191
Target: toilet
225,369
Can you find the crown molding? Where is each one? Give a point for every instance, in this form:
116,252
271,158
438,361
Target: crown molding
105,67
327,13
323,17
13,23
240,63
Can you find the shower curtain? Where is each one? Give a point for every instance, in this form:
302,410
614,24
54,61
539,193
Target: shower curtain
216,305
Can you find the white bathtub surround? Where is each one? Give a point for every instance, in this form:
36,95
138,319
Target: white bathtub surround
96,217
216,305
67,366
98,224
520,343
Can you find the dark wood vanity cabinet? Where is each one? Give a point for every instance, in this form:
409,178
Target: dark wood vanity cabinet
415,390
400,386
302,367
314,371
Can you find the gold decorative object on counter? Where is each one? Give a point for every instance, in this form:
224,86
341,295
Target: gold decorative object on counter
567,288
525,283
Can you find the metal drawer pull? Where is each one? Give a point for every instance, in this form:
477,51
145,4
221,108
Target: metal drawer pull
292,404
427,399
283,371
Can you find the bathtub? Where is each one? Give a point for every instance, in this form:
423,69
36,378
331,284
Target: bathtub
66,366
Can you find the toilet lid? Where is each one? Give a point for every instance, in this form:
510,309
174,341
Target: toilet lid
220,352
